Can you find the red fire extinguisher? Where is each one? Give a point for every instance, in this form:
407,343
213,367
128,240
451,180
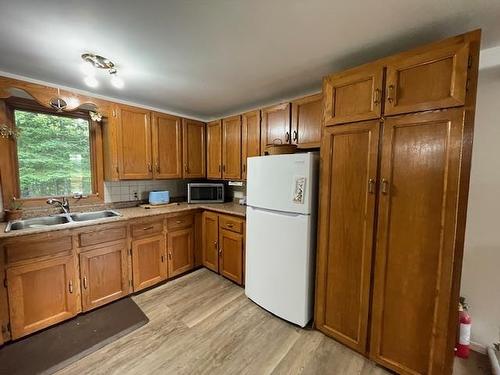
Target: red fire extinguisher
463,346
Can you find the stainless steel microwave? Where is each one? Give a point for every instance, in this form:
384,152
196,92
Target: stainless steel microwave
205,193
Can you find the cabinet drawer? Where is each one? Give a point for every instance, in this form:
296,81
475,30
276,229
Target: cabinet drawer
147,228
36,247
179,222
231,223
104,234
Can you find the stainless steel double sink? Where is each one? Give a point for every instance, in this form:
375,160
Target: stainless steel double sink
47,221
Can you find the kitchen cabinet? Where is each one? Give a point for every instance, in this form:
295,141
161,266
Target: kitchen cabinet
306,121
149,263
347,217
231,148
193,139
210,240
425,80
134,143
418,201
42,293
104,274
231,255
275,127
250,138
180,251
214,150
353,95
167,146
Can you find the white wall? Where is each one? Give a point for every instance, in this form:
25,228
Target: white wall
481,267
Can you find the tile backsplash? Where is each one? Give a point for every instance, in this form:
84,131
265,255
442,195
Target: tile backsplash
123,191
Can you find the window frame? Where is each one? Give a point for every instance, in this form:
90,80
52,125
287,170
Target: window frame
96,156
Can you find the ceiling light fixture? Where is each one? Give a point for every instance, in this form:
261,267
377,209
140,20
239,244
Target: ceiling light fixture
91,64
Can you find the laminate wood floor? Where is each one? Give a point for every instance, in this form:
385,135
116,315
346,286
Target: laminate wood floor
204,324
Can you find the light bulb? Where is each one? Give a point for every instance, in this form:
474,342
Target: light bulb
116,81
88,68
91,81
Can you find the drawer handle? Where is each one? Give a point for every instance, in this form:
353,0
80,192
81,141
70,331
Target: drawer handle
385,186
148,228
70,287
162,258
85,282
179,221
170,255
229,225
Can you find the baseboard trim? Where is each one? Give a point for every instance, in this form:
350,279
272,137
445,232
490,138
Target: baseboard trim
477,347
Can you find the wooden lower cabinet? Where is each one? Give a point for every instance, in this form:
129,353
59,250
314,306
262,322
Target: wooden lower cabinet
149,263
104,275
180,251
41,294
347,216
231,255
210,240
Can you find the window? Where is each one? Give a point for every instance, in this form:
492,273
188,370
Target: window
53,154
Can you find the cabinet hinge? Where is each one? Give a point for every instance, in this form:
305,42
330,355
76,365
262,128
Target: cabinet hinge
467,84
469,63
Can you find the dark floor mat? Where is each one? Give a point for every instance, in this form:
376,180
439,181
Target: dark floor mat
55,348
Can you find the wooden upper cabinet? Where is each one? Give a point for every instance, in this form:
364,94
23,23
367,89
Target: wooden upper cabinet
193,139
425,80
134,140
347,217
41,294
231,148
214,149
231,255
104,275
250,138
180,251
149,263
306,121
353,95
210,240
167,146
275,127
416,240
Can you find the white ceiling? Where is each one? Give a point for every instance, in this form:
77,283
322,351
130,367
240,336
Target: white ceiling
210,58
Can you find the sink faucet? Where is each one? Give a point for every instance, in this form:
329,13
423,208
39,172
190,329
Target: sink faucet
64,204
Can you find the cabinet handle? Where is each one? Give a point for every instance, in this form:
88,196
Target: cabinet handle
117,170
179,221
220,252
287,136
162,258
371,186
230,225
85,282
186,168
385,186
390,93
244,167
170,255
215,244
223,167
376,96
158,167
147,228
219,167
70,287
150,167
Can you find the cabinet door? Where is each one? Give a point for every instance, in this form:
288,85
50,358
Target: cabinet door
353,95
193,138
416,241
214,149
427,80
134,137
347,210
231,148
231,255
104,275
167,146
306,121
210,241
180,251
250,139
41,294
149,265
275,126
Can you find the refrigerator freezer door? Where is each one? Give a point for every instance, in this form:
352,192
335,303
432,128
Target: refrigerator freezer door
285,183
280,263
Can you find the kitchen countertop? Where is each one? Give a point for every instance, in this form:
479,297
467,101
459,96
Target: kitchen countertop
229,208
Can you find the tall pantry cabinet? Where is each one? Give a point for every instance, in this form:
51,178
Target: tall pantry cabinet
394,183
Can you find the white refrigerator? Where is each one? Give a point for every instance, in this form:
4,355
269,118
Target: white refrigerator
281,234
